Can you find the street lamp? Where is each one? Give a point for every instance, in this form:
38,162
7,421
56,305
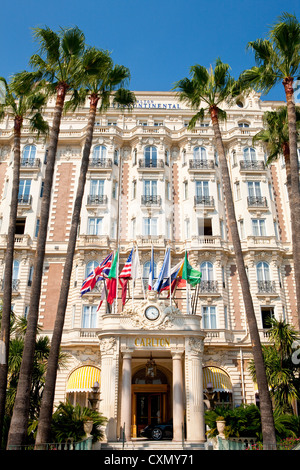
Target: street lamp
94,395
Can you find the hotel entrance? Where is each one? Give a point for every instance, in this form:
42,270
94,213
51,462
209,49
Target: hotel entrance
150,400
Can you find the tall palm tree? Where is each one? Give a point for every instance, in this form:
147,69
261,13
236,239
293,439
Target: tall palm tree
278,60
275,136
98,88
57,64
211,88
22,104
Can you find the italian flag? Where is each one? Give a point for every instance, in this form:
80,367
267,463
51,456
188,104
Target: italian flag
112,280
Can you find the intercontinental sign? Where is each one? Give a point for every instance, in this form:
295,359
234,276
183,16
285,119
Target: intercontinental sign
150,104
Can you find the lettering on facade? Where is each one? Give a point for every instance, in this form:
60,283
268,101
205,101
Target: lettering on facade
152,342
150,104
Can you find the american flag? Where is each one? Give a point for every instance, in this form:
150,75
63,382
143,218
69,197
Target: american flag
96,275
125,275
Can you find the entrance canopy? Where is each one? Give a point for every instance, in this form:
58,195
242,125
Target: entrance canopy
83,379
218,378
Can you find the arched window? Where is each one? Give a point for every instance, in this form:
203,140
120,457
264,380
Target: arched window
90,267
150,156
146,271
243,124
29,153
200,153
263,271
249,154
207,270
99,152
16,267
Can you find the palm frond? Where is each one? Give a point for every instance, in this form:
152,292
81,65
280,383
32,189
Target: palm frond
49,43
197,117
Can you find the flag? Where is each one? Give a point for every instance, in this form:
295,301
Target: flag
96,275
102,296
174,277
136,267
191,275
151,271
112,280
164,272
125,275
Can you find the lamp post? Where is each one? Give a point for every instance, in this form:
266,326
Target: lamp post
94,395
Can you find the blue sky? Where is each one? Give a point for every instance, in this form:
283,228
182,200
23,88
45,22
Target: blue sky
157,39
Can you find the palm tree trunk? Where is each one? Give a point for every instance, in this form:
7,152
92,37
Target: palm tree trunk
18,427
44,427
294,179
9,259
267,420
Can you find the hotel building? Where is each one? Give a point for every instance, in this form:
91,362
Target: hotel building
152,182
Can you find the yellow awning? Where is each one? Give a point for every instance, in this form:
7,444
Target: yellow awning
219,379
83,379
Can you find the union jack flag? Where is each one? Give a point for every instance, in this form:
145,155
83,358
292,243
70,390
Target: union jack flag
96,275
125,275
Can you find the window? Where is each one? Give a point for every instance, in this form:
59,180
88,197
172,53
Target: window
28,155
209,317
225,317
204,227
95,226
150,155
133,227
89,316
150,226
233,158
266,314
167,157
26,311
185,189
30,276
254,189
200,153
90,268
150,188
242,230
276,230
42,189
249,154
146,270
135,157
243,124
16,267
24,191
113,229
219,191
116,157
20,225
97,188
134,189
183,157
114,189
168,190
258,227
237,190
202,189
37,228
207,270
222,229
271,192
99,153
187,228
263,271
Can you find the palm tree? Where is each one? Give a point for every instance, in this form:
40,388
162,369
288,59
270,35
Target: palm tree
278,60
23,105
212,88
57,64
98,88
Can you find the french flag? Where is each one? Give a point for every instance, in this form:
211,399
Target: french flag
151,271
96,275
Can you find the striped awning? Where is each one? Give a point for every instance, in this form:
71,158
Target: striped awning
83,379
219,379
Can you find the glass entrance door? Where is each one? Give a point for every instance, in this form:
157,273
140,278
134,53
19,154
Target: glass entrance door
149,409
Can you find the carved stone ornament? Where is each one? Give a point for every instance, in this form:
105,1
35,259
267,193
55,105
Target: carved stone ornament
107,345
196,345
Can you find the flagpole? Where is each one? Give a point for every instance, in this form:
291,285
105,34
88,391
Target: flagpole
143,287
170,276
118,226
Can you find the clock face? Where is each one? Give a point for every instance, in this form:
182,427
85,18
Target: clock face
152,313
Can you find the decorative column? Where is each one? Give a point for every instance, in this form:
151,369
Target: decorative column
126,396
195,424
109,385
178,408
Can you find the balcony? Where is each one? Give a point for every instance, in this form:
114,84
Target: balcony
266,287
254,165
151,164
30,164
24,200
208,287
95,200
204,201
201,165
100,164
15,283
150,200
256,202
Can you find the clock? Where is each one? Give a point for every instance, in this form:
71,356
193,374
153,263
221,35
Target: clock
152,312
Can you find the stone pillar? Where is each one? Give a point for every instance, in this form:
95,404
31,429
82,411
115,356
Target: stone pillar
109,385
178,407
126,396
195,424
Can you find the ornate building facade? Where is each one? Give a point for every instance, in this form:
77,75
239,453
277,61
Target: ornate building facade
152,182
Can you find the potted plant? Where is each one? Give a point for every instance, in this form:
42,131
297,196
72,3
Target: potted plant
221,423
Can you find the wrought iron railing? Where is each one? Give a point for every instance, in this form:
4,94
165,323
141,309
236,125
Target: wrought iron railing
204,200
257,201
151,163
208,287
14,285
266,287
252,165
100,163
25,199
201,164
151,200
95,199
30,163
